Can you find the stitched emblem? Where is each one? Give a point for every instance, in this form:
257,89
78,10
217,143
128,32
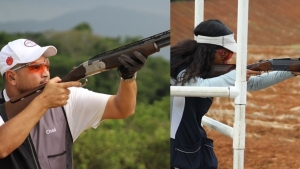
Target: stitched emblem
29,43
9,60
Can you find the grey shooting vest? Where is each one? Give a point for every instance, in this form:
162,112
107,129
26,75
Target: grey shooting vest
48,146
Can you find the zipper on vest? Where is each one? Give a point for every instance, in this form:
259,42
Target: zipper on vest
33,153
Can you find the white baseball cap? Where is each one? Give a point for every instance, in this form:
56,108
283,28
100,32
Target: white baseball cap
22,51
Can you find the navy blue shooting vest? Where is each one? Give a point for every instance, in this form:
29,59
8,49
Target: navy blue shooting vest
191,149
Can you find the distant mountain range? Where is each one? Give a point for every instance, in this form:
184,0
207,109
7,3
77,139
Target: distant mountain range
105,21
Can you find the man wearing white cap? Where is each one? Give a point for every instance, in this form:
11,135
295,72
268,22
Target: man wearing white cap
41,136
192,62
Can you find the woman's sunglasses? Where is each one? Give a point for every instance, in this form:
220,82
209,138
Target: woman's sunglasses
225,54
35,67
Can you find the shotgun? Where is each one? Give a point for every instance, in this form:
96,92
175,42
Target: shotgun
99,63
282,64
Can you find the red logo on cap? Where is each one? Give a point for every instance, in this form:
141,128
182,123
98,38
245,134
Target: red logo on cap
9,60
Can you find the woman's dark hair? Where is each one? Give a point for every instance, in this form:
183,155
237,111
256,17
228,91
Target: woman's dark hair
196,58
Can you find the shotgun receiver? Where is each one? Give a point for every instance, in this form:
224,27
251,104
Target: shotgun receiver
97,64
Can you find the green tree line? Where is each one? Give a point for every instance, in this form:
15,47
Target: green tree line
138,142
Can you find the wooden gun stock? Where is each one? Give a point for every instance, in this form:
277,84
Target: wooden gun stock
13,108
95,65
295,66
260,66
219,70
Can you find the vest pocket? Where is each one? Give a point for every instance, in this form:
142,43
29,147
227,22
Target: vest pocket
209,158
198,156
57,160
185,156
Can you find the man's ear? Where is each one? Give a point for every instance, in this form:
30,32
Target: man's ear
10,76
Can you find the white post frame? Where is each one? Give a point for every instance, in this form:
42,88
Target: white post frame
199,12
239,126
195,91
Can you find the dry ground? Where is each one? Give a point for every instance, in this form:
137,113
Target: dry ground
272,120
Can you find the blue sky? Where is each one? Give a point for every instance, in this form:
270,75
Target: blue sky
18,10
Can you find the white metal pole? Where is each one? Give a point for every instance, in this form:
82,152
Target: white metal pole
239,126
196,91
199,12
218,126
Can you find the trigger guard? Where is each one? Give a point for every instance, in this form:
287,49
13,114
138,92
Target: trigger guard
85,82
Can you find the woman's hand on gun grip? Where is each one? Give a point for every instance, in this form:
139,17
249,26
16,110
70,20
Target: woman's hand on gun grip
296,73
251,73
